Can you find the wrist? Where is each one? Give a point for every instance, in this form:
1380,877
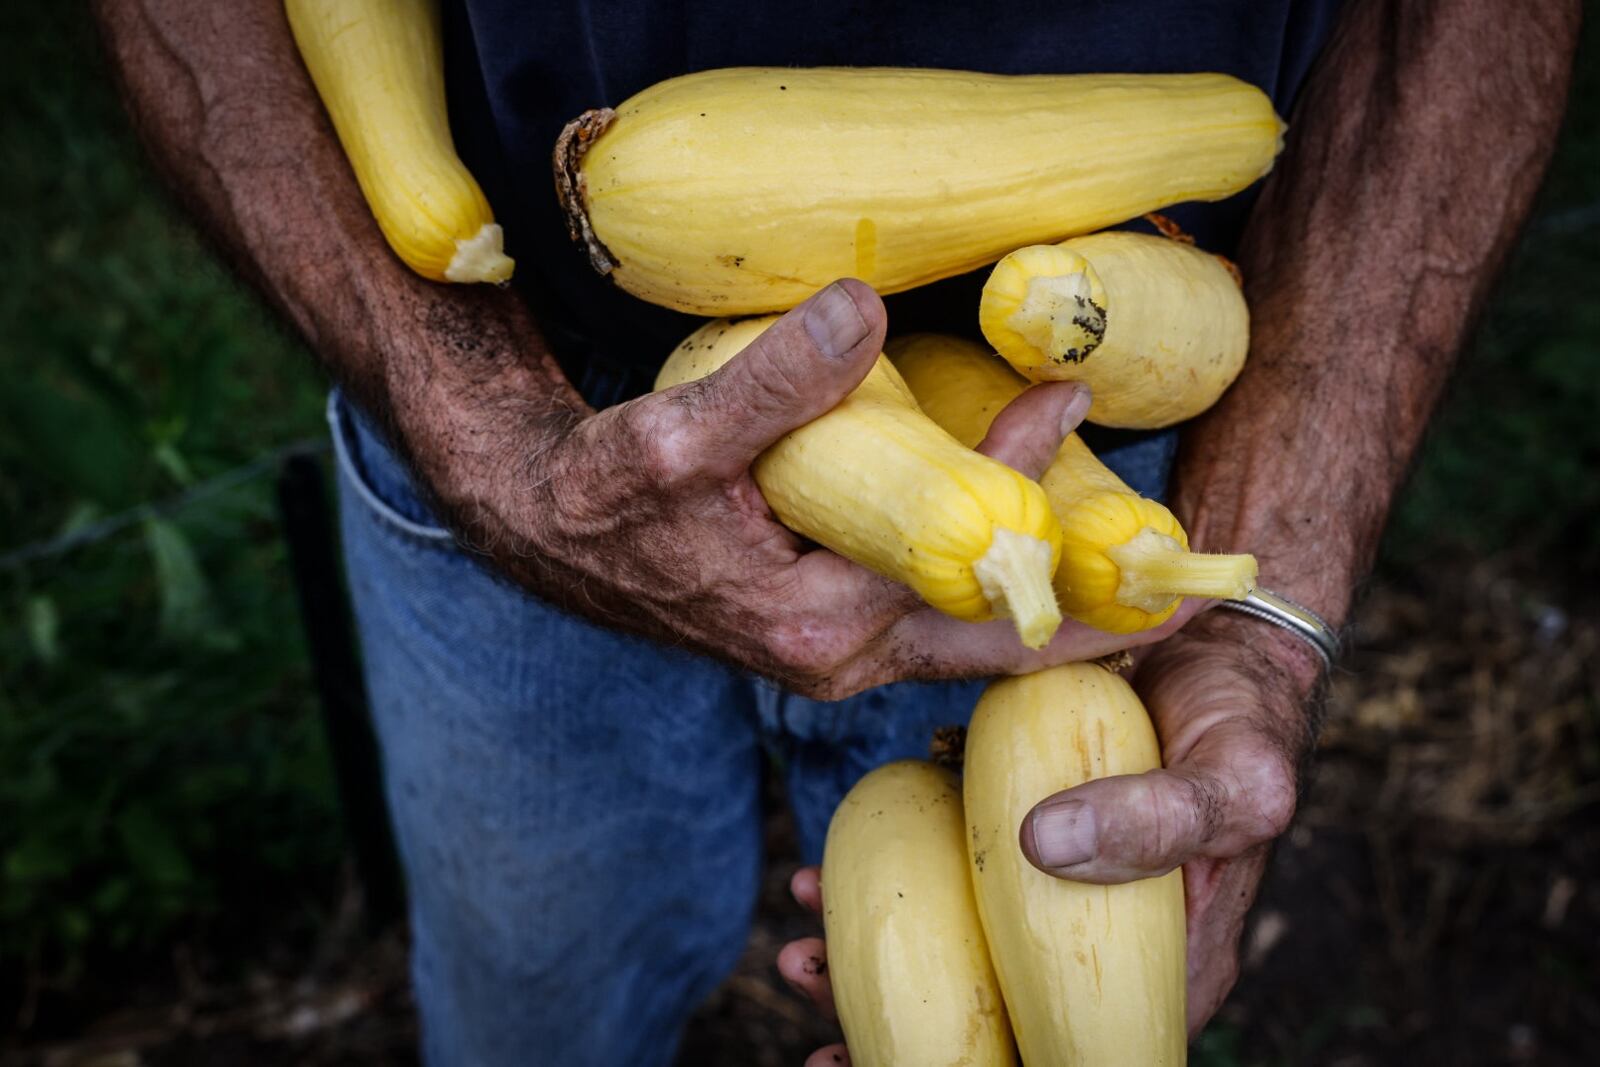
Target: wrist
477,437
1280,657
1324,589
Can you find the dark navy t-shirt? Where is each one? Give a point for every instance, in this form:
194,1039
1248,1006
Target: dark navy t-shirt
517,71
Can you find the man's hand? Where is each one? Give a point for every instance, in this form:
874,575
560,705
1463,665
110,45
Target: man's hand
647,516
1232,702
1412,105
804,965
1230,698
643,516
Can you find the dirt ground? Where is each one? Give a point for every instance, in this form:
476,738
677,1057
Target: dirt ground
1436,901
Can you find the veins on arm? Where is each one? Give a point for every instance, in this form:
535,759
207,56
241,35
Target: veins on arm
222,103
1413,159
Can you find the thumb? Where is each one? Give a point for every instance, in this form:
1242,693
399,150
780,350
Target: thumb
1027,434
1134,826
1119,829
800,368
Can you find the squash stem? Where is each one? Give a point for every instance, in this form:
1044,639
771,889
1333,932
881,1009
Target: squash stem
481,257
1059,317
1015,576
1156,570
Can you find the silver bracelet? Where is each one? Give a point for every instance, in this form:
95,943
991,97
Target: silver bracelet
1298,619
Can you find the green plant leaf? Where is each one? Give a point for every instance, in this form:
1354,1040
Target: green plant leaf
40,857
186,608
113,896
77,440
150,847
169,459
44,626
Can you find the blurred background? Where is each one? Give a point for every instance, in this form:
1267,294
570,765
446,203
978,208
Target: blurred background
178,882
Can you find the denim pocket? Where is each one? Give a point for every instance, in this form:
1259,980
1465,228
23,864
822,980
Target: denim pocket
380,481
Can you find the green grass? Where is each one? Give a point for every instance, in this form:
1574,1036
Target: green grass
161,765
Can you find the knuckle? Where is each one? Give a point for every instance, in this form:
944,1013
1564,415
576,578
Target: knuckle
773,395
769,377
691,399
1268,796
1275,801
666,449
1207,801
1164,815
811,655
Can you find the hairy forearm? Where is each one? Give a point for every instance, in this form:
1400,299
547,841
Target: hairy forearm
1413,159
227,112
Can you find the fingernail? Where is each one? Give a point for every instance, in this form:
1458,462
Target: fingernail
1076,409
1064,833
833,322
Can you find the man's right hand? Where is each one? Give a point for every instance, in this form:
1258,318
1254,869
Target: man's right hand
646,515
642,516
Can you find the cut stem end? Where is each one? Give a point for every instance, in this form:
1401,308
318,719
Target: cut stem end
1156,570
571,188
1015,576
481,257
1059,317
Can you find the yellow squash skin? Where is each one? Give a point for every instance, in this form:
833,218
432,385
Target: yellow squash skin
745,190
379,67
1175,330
1125,564
910,968
1094,976
880,483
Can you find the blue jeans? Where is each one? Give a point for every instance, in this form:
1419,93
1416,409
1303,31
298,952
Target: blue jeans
577,810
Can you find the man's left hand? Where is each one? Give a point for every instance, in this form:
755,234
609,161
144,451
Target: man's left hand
1231,698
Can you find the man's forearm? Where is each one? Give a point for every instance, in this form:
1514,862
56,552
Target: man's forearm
226,110
643,516
1413,159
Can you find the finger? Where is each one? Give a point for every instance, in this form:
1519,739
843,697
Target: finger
1189,608
845,587
806,885
1234,791
1219,894
835,614
831,1056
1027,434
804,965
929,646
800,368
909,640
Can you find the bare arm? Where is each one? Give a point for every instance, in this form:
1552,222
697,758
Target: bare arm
643,516
227,113
1414,158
